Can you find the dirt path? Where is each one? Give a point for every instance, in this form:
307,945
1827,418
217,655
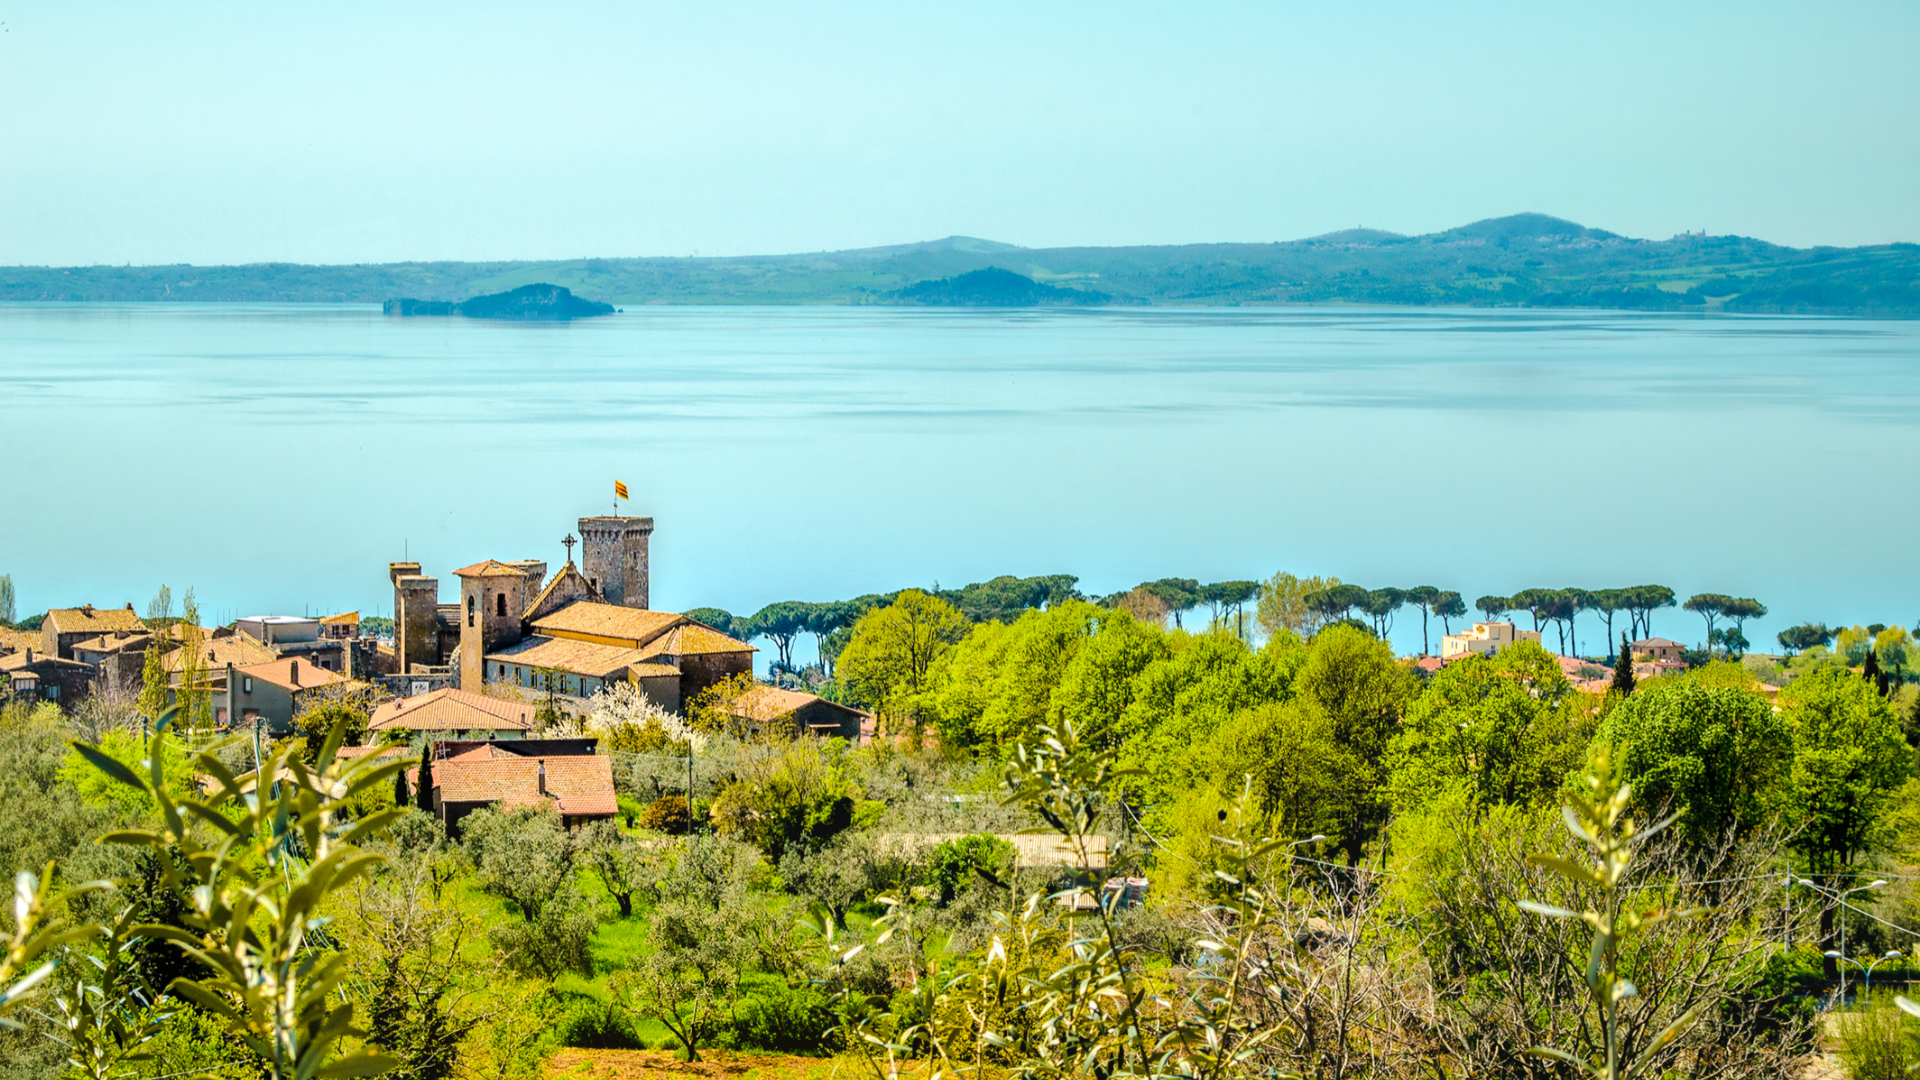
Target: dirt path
575,1064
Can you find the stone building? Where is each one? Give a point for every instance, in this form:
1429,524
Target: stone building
576,785
32,676
275,692
63,628
584,629
613,555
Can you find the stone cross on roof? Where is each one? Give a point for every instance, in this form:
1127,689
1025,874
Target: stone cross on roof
568,543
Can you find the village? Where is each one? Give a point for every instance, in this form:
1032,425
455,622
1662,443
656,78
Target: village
476,679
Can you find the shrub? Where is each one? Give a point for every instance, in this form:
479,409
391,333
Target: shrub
1877,1041
775,1016
955,864
667,815
596,1025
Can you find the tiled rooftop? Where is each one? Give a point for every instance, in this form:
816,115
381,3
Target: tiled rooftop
281,673
633,625
694,639
451,710
490,568
239,650
575,784
577,657
93,620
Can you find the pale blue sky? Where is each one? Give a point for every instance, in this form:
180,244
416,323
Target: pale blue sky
371,132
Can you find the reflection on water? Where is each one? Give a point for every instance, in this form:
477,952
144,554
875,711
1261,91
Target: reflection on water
280,455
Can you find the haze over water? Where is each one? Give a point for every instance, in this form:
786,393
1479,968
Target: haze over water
277,457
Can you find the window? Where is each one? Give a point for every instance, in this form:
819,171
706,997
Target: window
500,605
246,685
469,611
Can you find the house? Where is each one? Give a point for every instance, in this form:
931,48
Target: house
343,627
579,787
214,655
293,635
32,676
453,714
13,641
1486,638
274,692
63,628
1657,648
764,708
119,657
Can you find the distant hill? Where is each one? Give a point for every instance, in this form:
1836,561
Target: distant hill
541,302
992,287
1519,260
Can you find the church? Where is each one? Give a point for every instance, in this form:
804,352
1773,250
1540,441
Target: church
586,627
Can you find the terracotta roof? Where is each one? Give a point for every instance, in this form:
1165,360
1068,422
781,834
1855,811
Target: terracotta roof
693,639
351,752
575,657
16,640
340,619
15,661
575,783
92,621
451,710
635,625
280,673
1655,643
114,642
490,568
766,703
238,650
650,670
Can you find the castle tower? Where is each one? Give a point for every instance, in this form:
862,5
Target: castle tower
490,599
416,626
613,555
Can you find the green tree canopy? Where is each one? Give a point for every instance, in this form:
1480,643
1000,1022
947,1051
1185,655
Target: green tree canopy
1285,604
1805,636
1849,759
885,665
1498,730
1717,755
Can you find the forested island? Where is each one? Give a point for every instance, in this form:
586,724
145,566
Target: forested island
1522,260
541,302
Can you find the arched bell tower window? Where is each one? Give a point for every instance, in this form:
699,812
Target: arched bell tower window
469,611
500,605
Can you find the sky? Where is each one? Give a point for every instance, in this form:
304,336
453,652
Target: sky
344,132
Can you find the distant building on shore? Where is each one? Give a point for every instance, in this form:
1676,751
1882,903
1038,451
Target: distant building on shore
1485,638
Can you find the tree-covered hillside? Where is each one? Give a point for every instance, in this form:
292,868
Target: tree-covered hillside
1524,259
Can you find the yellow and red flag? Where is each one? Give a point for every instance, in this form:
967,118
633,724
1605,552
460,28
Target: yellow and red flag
619,489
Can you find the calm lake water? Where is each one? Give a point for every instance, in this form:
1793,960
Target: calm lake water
277,457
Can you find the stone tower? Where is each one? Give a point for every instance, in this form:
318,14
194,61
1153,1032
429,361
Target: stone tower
613,555
490,607
416,626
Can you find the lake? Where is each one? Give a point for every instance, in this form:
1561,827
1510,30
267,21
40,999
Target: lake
277,457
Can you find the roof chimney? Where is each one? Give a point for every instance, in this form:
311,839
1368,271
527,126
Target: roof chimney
543,775
129,605
294,668
88,608
29,654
